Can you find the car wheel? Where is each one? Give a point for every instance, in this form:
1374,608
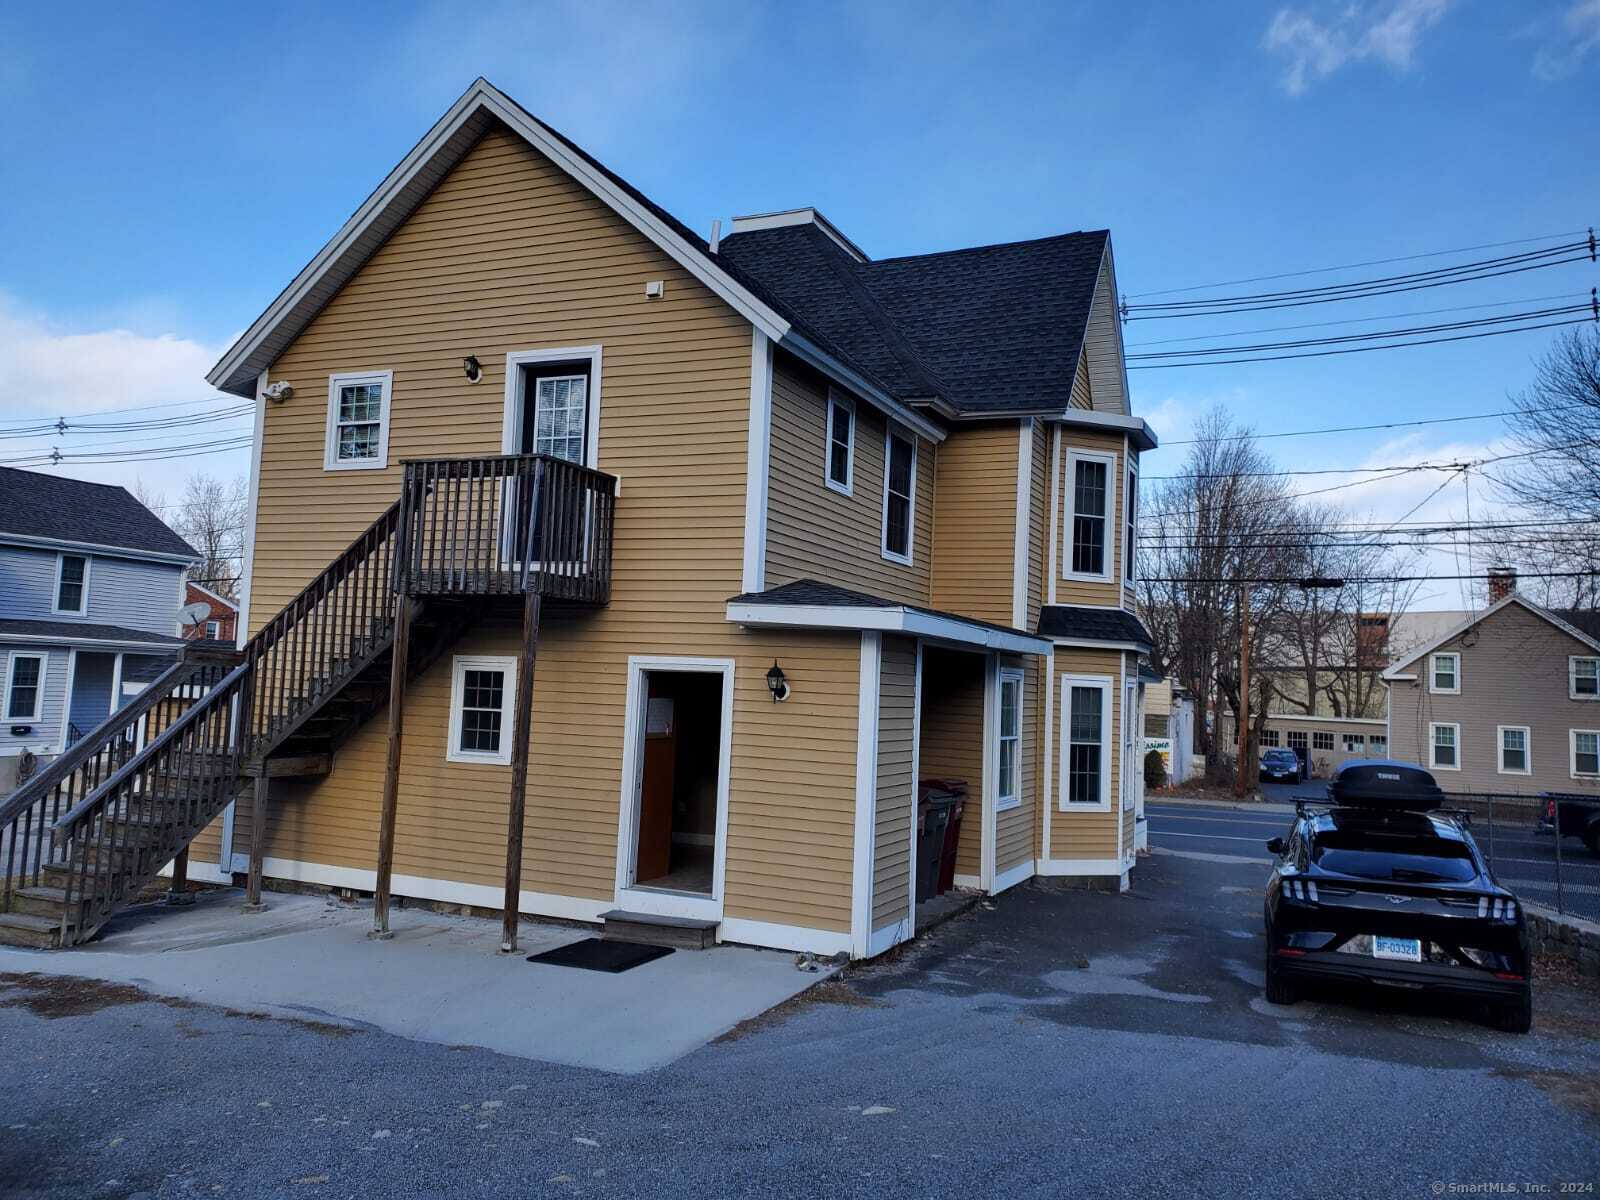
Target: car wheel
1516,1017
1279,989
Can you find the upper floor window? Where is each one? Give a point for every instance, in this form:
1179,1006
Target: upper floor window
1583,678
1090,480
841,442
1130,510
72,584
25,686
1444,673
1010,740
213,630
358,421
899,494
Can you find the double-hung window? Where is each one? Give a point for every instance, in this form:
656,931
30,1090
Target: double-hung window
1583,678
1516,756
1091,480
481,691
1444,674
1085,742
841,442
1130,518
213,630
72,584
899,494
358,421
1444,746
1585,753
25,687
1010,765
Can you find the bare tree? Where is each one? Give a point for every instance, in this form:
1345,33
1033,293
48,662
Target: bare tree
210,517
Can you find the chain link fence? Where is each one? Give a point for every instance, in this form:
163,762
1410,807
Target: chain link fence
1541,847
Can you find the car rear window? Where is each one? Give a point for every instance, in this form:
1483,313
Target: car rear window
1398,855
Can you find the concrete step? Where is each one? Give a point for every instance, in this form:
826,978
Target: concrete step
24,929
42,901
681,933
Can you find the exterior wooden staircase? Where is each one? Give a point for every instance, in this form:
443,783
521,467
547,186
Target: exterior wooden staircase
87,835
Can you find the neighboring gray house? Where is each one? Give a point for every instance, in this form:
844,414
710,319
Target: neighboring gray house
91,583
1507,701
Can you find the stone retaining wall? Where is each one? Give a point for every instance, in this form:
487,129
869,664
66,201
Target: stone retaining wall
1571,938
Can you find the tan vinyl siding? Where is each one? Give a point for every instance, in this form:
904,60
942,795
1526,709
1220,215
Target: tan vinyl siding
973,564
1080,834
814,532
1130,595
892,857
1102,348
1038,523
1013,838
507,254
1082,391
952,738
1075,591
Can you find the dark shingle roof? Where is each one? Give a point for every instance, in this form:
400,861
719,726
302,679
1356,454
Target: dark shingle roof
1584,620
811,591
992,329
85,629
1092,624
34,504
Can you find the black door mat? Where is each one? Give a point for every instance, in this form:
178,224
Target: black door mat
598,954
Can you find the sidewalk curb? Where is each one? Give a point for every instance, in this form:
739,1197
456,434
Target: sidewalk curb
1261,806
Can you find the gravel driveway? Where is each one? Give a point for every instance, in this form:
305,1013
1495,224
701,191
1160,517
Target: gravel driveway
1057,1042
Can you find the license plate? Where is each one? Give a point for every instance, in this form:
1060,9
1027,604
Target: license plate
1404,949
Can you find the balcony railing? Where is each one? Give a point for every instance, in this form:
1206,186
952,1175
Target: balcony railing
504,526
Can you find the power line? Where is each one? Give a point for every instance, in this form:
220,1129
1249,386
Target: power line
106,412
1246,437
1264,579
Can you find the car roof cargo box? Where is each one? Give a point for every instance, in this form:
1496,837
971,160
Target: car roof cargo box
1381,783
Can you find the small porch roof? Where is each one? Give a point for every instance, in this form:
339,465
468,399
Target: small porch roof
90,634
1087,626
808,604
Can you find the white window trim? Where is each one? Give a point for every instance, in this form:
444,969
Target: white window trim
511,416
1572,676
460,665
1104,683
213,629
1069,514
838,399
1433,763
1500,749
1130,520
55,595
37,716
1572,752
889,434
1433,684
330,450
1002,802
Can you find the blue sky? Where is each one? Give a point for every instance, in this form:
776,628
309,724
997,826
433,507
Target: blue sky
166,176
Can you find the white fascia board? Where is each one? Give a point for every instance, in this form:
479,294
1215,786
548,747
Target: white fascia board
1087,418
223,600
888,620
44,543
1091,644
808,352
40,639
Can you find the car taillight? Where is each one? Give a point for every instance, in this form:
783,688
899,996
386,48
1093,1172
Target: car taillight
1497,909
1301,889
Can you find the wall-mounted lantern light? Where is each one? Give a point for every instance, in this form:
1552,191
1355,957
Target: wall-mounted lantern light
472,368
776,683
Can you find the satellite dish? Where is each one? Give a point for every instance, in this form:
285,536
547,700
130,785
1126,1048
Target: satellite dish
193,614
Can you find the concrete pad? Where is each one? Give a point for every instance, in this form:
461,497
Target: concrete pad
439,979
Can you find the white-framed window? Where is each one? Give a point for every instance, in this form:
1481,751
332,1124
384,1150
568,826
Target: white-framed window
1009,773
1583,677
1515,750
840,472
1130,520
72,584
899,494
1269,738
1444,746
561,415
1585,753
1378,745
1297,740
213,629
1321,739
481,697
1085,742
1091,485
1355,743
1444,674
358,421
25,672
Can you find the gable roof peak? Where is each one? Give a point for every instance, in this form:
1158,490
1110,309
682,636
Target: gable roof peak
798,216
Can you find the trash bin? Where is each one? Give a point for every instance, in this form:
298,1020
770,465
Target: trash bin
952,842
933,820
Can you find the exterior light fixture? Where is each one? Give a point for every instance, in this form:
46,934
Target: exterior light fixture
472,368
776,683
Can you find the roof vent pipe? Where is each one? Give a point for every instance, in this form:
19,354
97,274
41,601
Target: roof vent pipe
716,234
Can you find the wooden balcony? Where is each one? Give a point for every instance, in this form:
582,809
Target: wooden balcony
506,525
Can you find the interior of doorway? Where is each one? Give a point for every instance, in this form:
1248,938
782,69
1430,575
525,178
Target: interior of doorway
676,848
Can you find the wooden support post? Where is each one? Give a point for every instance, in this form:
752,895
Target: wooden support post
258,845
521,733
178,891
400,654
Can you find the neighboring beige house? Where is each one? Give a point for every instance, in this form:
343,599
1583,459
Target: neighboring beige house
1507,702
681,560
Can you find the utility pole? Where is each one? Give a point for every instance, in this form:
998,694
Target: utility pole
1243,711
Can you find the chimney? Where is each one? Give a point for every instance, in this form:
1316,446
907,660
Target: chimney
1502,582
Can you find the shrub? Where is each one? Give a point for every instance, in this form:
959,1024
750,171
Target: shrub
1155,770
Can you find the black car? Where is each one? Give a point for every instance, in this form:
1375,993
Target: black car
1282,764
1579,818
1380,886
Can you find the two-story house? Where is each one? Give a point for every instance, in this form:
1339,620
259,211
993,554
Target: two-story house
602,571
90,586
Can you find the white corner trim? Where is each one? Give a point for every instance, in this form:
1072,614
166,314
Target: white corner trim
1022,544
1047,731
459,666
916,768
888,937
758,454
889,619
1055,509
866,808
66,703
511,415
330,452
241,631
783,937
991,768
1012,876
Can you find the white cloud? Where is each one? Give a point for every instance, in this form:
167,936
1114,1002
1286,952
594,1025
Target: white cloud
1315,47
1579,35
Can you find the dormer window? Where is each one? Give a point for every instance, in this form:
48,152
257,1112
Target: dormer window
1444,674
358,421
72,584
841,443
